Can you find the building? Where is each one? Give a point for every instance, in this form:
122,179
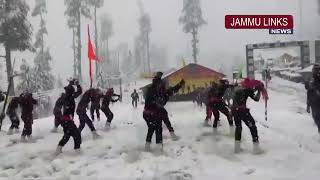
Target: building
197,77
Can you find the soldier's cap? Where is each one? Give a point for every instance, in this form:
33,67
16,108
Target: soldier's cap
159,75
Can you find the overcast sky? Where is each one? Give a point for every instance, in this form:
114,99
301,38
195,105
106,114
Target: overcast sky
218,46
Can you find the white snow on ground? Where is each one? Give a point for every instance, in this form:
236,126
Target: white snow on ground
291,143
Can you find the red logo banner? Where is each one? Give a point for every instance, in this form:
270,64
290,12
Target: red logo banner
259,21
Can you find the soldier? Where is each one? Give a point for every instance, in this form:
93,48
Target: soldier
164,98
135,98
95,104
107,98
216,104
154,112
57,112
313,96
240,111
69,128
12,113
27,102
82,112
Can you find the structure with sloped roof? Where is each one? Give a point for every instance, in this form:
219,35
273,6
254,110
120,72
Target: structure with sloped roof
197,78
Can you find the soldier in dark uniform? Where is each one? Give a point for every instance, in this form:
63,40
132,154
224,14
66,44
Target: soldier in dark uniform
313,95
69,128
12,113
216,104
57,112
240,111
164,98
154,112
107,98
135,98
27,102
82,112
95,104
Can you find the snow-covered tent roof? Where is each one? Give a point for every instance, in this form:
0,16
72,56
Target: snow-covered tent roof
306,70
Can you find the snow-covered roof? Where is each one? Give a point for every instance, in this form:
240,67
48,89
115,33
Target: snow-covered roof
307,69
290,74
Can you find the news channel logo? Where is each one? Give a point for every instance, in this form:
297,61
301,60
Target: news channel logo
280,31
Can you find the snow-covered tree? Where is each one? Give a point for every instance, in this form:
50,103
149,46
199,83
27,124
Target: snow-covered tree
145,30
45,80
27,77
96,4
138,53
192,20
74,10
15,31
106,32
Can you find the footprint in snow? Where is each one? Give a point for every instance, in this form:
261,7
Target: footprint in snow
250,171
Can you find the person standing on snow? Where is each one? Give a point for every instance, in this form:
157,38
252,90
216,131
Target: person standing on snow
135,98
82,112
69,128
162,99
95,104
12,113
57,112
241,112
154,112
27,102
216,104
107,98
313,96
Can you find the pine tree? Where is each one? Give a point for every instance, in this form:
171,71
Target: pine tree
15,31
76,9
45,80
106,32
192,20
96,4
27,78
145,30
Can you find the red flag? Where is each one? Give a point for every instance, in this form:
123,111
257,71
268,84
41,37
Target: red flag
91,54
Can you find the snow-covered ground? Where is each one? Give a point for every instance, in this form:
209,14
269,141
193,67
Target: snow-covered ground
291,143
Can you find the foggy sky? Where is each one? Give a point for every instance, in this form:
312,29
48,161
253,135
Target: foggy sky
217,44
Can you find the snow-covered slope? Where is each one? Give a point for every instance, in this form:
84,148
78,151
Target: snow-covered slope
291,143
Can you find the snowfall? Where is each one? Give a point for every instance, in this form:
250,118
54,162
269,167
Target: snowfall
289,138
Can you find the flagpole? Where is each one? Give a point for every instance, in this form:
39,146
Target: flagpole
90,69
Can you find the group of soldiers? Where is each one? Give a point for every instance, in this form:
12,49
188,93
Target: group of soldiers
157,96
154,113
26,102
65,108
217,99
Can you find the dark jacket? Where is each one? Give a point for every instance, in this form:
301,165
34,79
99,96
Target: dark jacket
313,94
96,99
26,103
58,105
85,100
107,98
13,105
241,96
135,96
69,101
